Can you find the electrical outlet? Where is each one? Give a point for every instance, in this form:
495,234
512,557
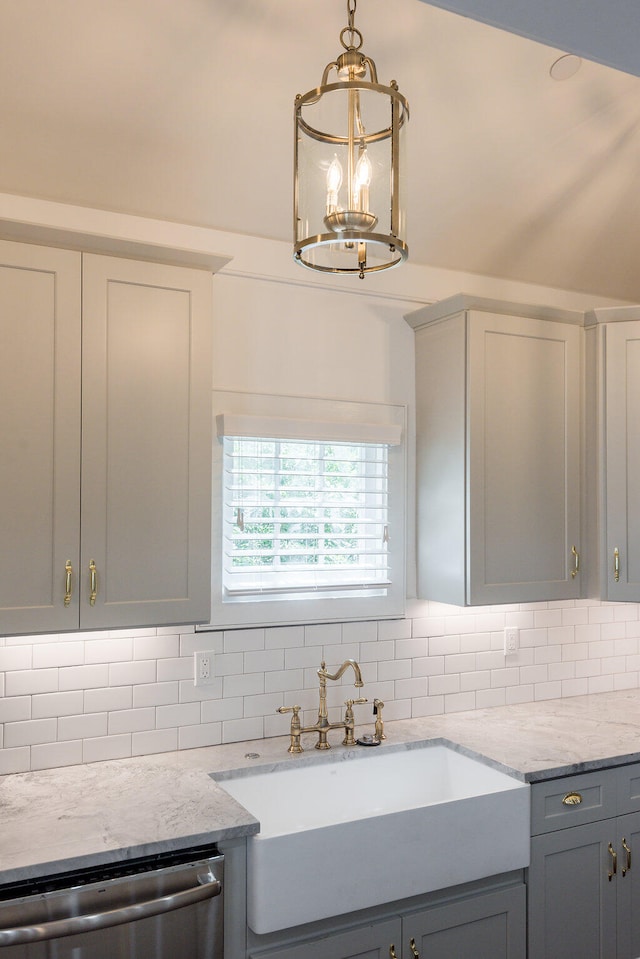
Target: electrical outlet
203,668
511,640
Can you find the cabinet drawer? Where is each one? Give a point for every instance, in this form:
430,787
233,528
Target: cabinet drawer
573,800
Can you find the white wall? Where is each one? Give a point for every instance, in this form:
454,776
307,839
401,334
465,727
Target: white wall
82,697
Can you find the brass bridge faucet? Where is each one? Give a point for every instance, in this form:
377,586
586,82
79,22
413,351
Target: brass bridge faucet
322,725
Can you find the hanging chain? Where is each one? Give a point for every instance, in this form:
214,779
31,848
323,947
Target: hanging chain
354,33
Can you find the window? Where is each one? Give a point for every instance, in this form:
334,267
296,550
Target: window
309,523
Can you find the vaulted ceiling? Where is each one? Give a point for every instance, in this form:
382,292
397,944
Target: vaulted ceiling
183,110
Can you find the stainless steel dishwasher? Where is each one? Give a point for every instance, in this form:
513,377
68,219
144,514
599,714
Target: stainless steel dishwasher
167,906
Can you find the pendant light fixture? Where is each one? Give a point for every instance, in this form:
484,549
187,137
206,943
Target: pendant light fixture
348,212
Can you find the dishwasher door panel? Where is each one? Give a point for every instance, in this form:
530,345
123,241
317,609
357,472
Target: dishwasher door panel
172,913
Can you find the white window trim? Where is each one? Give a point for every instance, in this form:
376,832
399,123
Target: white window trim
321,419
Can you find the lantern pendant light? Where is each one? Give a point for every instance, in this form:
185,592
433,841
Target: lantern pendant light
348,214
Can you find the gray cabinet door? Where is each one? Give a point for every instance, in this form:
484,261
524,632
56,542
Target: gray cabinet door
490,924
40,438
628,883
146,443
622,461
524,459
572,900
375,941
498,420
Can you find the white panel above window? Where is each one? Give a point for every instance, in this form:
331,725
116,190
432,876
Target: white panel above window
309,510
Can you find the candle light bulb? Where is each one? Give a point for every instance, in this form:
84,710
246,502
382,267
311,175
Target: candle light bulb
362,180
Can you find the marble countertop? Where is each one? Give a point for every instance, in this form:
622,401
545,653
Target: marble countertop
59,819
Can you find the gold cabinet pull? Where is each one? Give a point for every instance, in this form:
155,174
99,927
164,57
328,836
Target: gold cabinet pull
616,564
572,799
627,866
576,562
414,951
392,952
614,862
93,583
68,583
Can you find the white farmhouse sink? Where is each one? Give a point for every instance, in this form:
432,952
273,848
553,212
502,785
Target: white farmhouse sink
336,836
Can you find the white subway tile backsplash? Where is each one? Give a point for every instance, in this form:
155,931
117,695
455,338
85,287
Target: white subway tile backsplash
30,731
264,705
310,656
132,720
394,629
359,632
190,693
242,640
175,669
49,755
486,698
204,734
282,681
182,714
157,647
215,711
284,637
15,708
108,650
108,700
323,634
132,673
58,654
263,660
83,677
106,747
15,760
47,705
15,657
237,730
250,685
154,741
27,682
395,669
86,697
458,702
82,727
410,688
156,694
376,652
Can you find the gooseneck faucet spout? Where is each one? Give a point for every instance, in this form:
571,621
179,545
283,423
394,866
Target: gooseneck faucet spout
323,724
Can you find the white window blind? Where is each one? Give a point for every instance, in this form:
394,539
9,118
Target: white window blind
303,516
308,511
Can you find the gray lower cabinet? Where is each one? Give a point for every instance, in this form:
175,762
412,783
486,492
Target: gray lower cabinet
584,888
485,924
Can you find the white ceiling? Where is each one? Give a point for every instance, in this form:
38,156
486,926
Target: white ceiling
184,111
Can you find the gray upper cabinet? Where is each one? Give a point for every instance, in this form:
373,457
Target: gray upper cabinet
498,420
40,341
614,357
106,425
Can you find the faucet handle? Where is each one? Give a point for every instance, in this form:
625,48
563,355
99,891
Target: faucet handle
289,709
354,702
294,733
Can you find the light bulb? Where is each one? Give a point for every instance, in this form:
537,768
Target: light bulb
334,182
361,183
